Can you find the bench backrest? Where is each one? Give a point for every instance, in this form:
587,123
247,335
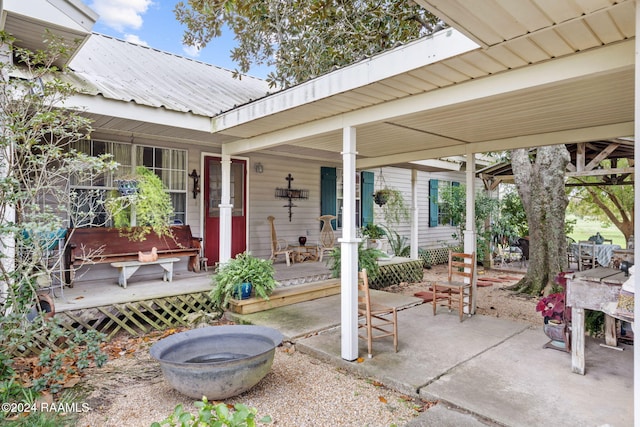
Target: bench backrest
109,241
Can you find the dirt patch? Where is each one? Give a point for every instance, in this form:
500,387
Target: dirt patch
493,297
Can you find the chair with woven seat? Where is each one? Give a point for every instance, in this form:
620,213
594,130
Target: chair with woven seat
279,246
572,256
587,255
327,235
378,321
459,278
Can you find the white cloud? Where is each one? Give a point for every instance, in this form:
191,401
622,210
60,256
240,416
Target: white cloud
121,14
191,51
135,39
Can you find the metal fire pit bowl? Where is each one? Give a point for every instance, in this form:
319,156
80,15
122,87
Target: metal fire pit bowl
217,361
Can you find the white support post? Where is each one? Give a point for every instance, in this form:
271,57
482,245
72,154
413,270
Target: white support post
225,209
414,214
636,354
470,225
349,249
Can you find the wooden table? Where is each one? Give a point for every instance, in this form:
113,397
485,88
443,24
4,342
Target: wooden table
591,289
305,253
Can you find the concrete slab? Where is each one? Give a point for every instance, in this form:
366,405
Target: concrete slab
428,347
310,317
518,383
483,370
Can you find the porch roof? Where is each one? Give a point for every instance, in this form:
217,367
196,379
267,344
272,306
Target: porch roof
538,75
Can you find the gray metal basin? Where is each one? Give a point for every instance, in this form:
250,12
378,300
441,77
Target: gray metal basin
217,361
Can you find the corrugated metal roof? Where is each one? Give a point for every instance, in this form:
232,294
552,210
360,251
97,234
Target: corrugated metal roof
124,71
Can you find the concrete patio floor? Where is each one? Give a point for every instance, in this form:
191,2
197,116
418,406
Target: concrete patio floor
483,371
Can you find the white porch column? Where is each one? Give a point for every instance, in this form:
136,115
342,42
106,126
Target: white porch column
636,219
225,209
414,214
349,249
470,226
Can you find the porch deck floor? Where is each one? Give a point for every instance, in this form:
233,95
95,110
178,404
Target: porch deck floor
99,293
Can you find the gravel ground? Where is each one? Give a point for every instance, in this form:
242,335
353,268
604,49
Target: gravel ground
298,391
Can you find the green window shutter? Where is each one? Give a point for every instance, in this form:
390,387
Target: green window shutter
433,203
366,197
328,194
454,184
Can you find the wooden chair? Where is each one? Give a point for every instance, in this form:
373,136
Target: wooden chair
586,255
460,277
327,235
279,246
571,254
377,320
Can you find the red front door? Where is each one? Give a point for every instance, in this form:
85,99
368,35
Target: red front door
212,196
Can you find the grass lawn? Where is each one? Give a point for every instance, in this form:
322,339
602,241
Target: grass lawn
586,228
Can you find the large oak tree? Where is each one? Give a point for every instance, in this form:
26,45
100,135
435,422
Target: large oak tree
540,182
303,39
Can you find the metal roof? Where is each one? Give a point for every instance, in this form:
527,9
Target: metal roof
128,72
552,72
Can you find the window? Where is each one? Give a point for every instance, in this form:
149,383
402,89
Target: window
439,197
168,163
331,195
339,198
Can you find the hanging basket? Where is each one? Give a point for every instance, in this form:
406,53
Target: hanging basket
127,187
380,198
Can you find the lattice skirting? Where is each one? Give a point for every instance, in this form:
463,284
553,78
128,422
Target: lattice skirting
435,256
391,274
139,317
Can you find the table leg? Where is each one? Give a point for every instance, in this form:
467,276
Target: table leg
610,335
577,340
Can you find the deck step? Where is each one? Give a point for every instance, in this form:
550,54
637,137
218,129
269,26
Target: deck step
286,296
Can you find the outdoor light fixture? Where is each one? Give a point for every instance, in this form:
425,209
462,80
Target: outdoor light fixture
258,167
196,183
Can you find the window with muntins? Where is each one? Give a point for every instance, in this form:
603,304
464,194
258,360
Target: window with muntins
438,192
168,163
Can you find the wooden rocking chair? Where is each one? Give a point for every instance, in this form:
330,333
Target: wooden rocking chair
279,246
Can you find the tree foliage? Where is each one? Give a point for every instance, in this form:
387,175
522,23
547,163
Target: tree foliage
609,203
454,210
37,167
304,39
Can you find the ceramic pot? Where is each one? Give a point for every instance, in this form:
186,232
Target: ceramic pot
555,332
243,291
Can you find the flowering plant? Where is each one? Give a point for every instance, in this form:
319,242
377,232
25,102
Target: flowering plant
552,307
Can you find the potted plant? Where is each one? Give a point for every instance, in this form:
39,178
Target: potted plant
240,277
375,235
150,205
556,315
392,203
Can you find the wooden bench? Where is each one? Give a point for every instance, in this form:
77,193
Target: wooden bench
86,246
127,268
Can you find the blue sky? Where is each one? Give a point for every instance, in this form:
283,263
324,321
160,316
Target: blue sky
152,23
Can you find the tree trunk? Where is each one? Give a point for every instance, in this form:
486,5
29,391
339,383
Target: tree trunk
540,183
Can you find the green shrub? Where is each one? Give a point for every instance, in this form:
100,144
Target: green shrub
218,415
